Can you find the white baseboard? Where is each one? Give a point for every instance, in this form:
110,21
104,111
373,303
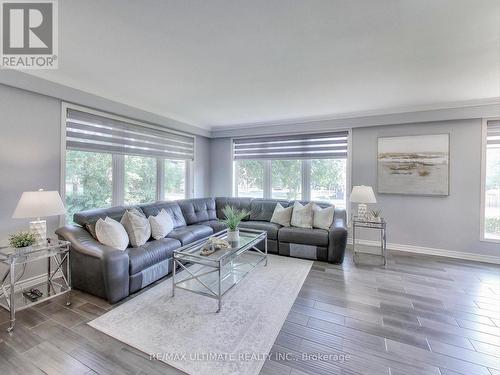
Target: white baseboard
431,251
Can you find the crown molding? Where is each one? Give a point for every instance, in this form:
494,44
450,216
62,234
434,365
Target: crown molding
478,108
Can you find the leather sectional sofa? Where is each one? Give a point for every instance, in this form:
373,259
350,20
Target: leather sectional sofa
115,274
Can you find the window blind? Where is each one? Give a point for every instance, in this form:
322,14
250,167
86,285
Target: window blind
90,132
493,134
304,146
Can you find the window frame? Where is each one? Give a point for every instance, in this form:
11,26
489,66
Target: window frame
306,173
118,162
482,214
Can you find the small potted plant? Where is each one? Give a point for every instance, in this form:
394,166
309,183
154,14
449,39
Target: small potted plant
375,214
232,218
22,240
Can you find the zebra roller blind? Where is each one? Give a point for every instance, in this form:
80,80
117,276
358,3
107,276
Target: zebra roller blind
304,146
493,134
90,132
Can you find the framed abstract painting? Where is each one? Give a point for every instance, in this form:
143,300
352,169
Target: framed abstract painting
416,165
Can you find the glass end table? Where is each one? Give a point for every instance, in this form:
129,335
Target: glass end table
13,296
370,224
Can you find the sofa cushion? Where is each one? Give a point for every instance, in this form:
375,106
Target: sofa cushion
216,225
151,253
190,233
161,225
235,202
172,208
302,216
282,216
197,210
262,209
305,236
137,227
270,228
111,233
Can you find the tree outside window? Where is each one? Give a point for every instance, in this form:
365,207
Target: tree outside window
140,179
250,178
286,177
88,181
175,175
328,181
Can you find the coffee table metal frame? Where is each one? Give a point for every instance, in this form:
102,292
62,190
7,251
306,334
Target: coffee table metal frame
182,258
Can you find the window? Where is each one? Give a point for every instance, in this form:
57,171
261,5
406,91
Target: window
328,181
140,179
491,181
250,178
286,177
175,179
113,161
88,181
294,167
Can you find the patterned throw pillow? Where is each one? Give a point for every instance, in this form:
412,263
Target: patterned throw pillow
323,217
137,227
111,233
161,225
302,216
282,216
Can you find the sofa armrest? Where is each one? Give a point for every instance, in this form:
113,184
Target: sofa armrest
96,268
337,240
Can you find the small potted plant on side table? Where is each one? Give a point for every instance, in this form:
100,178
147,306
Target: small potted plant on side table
232,218
22,241
375,215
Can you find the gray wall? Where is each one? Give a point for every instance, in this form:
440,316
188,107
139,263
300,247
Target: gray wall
221,167
449,223
30,155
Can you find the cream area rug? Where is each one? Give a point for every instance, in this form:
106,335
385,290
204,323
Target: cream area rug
186,332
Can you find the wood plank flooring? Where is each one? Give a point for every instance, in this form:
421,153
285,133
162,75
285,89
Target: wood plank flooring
420,315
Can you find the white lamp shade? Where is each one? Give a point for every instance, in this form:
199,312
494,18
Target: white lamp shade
362,194
39,204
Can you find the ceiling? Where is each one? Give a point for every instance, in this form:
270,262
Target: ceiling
218,64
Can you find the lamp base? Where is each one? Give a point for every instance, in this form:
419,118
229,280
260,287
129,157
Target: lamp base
39,229
362,211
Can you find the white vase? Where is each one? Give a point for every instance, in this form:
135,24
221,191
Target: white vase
233,235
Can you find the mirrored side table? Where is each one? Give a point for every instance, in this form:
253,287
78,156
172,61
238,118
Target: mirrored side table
370,224
14,296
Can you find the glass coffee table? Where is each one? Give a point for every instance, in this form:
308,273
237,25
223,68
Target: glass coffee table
215,274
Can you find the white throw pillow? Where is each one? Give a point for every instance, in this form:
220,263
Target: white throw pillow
323,217
137,227
282,216
161,225
111,233
302,216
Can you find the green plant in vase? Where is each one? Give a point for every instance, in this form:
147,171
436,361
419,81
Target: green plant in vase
22,239
375,214
232,219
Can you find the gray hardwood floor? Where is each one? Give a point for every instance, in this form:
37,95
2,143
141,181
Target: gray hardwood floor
420,315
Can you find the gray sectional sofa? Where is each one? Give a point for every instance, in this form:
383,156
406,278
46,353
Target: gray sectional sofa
115,274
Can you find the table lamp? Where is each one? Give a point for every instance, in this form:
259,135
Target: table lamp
39,204
362,194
